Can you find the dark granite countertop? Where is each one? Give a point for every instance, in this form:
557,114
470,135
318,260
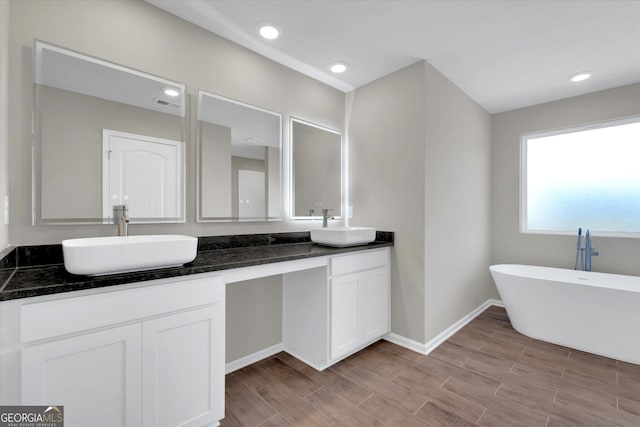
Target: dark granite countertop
30,271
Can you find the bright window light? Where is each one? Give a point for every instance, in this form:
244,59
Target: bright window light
582,177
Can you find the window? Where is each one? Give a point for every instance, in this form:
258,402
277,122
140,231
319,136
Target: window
582,177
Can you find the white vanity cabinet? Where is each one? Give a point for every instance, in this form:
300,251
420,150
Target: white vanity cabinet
152,354
359,288
332,312
148,356
96,376
183,368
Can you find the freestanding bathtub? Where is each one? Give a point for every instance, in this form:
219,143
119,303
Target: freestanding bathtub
594,312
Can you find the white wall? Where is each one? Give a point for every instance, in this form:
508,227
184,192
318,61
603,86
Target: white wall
4,120
617,255
457,204
141,36
244,163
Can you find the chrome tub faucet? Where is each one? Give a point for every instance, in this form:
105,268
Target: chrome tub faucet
584,253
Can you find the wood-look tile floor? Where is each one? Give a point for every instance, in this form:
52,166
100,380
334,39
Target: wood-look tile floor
486,374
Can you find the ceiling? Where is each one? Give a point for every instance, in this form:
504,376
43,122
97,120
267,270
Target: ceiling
252,129
505,54
75,72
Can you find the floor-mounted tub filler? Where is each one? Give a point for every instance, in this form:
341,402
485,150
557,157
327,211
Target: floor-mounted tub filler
594,312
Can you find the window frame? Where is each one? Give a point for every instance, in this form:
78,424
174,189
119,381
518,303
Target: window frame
525,137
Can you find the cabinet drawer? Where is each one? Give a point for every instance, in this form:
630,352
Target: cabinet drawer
68,315
358,262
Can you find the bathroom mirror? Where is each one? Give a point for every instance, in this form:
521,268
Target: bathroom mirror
316,165
239,161
105,135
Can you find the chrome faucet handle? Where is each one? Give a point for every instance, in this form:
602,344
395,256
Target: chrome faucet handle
326,217
121,219
594,252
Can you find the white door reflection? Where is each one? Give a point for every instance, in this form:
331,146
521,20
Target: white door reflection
251,194
143,173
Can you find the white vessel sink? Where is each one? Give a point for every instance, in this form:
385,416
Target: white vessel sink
343,236
109,255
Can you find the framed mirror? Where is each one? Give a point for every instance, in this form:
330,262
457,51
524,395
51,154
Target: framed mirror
239,161
316,170
105,135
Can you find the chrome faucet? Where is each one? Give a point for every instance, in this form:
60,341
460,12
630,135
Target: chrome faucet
585,253
326,217
121,219
589,251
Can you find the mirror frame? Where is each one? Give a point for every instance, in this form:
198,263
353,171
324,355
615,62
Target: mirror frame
199,216
292,184
36,144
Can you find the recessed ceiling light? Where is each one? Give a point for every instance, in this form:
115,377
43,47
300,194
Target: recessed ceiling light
581,76
171,92
269,30
338,67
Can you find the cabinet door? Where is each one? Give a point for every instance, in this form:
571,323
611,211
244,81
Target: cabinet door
95,376
374,303
344,314
183,368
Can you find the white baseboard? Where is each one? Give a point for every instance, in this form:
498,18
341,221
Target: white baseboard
306,361
405,342
444,335
495,302
391,337
253,358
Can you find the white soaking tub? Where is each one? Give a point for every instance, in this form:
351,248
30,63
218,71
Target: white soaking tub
594,312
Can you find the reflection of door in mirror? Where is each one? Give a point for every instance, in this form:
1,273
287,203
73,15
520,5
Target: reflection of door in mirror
248,187
251,194
141,172
76,97
317,169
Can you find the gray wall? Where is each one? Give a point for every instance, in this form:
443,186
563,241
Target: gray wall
387,172
4,120
148,39
617,255
215,175
316,171
420,152
249,304
457,200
